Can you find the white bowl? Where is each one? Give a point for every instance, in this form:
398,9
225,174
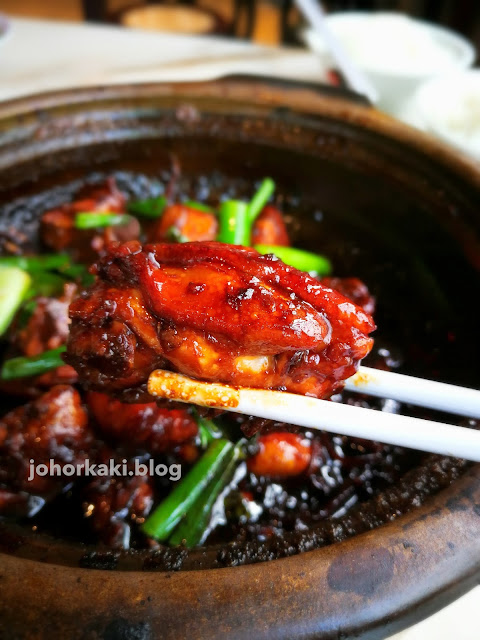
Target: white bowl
396,52
449,107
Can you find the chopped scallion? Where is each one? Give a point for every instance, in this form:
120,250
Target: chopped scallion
194,527
260,199
24,367
148,208
235,226
303,260
93,220
36,263
45,284
167,515
208,431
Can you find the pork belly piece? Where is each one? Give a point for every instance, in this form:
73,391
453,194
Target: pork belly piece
113,504
215,312
53,426
141,427
46,328
354,289
180,221
57,226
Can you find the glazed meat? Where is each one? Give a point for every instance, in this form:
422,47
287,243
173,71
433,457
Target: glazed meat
57,227
179,221
215,312
54,426
144,427
270,228
354,289
113,504
46,328
48,325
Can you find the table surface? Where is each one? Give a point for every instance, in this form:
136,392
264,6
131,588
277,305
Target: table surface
45,55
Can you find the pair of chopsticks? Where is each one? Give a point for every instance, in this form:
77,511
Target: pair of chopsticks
324,415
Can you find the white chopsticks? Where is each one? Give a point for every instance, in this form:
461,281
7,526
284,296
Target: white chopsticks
356,80
404,431
417,391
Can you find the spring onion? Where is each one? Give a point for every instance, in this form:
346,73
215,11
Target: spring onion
79,273
148,208
167,515
14,284
32,264
24,367
45,284
303,260
260,199
93,220
25,313
234,223
194,527
207,430
193,204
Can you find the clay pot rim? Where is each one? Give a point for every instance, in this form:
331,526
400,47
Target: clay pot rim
431,576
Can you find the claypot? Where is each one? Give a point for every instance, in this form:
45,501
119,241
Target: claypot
412,204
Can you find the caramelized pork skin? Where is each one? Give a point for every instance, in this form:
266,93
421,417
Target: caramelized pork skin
57,228
141,427
54,426
215,312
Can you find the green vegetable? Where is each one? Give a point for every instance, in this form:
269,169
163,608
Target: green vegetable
260,199
79,273
193,204
167,515
303,260
235,226
193,528
25,367
92,220
149,208
32,264
45,284
40,265
207,430
14,284
26,312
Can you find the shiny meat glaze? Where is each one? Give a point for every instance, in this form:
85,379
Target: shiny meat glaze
217,313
